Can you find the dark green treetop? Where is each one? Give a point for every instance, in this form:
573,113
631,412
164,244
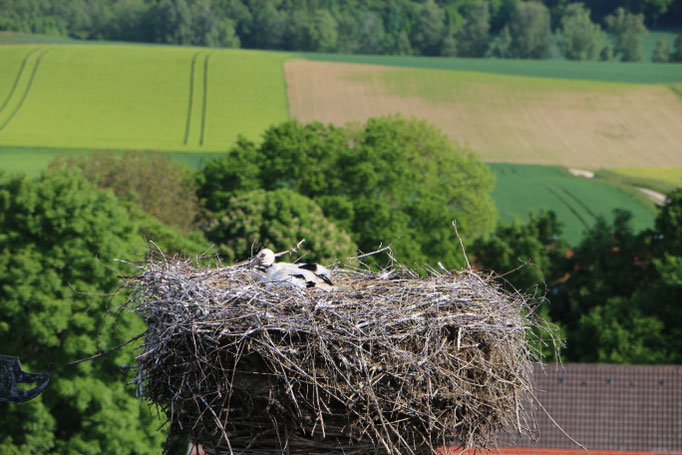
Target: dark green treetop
59,237
392,179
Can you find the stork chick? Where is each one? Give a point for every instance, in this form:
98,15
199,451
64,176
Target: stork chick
300,275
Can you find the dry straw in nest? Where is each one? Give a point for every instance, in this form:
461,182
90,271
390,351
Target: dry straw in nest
382,364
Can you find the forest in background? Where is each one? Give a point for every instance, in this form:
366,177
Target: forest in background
594,29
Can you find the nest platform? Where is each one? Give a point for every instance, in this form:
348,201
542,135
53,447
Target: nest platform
379,365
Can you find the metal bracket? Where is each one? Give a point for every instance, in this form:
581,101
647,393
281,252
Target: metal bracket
11,375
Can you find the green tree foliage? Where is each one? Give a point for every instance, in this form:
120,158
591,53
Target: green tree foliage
323,31
268,26
605,264
58,239
429,29
626,30
668,233
473,37
502,46
526,253
370,34
449,45
660,53
211,30
392,179
162,188
530,32
619,332
606,54
581,39
278,220
621,291
170,21
676,54
377,26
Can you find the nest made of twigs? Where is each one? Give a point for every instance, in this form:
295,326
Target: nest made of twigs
379,365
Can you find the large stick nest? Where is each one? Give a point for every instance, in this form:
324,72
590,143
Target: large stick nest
392,365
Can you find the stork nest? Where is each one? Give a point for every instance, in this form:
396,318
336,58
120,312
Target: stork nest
379,365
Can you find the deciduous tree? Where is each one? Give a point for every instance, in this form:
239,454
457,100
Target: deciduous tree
59,237
502,46
162,188
473,37
626,29
390,180
530,32
660,53
429,29
527,253
581,39
278,220
676,54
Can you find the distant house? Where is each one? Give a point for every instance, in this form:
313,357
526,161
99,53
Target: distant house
609,409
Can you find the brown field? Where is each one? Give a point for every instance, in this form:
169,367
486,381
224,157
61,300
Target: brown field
504,118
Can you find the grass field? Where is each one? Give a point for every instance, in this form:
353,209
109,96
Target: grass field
26,38
575,123
137,97
668,178
644,72
577,201
32,161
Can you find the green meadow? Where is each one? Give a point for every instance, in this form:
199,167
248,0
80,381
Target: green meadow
137,97
577,201
641,72
34,160
662,179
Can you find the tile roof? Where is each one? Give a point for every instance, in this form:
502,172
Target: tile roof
608,407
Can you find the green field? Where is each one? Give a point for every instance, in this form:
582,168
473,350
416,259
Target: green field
668,178
577,201
193,102
649,73
32,161
137,97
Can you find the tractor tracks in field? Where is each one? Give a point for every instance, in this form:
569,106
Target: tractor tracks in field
198,99
22,85
570,206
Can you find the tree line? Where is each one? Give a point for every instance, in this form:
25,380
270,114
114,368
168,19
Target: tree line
393,180
465,28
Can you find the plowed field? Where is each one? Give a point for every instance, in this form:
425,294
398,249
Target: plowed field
587,124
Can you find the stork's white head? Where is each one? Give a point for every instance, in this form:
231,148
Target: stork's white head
265,257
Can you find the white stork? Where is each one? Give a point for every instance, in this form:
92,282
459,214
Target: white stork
301,275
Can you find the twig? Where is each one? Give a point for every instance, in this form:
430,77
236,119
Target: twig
454,225
555,422
136,337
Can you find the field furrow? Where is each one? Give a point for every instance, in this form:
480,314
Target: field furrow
18,78
196,110
190,103
204,100
577,201
567,205
21,88
138,97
